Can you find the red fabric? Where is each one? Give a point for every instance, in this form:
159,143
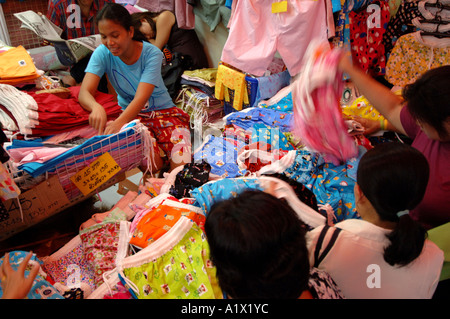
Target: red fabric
57,115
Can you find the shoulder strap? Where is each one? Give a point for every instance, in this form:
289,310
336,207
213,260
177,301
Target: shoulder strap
319,257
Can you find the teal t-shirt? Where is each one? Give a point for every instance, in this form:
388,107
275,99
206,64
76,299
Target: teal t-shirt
126,78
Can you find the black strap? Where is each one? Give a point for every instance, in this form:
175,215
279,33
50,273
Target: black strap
319,257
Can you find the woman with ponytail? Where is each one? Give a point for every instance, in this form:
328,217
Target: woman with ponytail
385,254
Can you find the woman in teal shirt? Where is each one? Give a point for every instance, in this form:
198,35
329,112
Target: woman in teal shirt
133,67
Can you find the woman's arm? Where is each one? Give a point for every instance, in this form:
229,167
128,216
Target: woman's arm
164,24
143,93
383,99
98,117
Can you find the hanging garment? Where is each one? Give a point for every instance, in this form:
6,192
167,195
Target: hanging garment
413,55
366,35
400,24
229,79
257,33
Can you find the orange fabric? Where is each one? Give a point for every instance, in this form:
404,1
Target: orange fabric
17,66
158,221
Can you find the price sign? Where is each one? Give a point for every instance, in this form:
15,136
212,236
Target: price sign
279,7
96,174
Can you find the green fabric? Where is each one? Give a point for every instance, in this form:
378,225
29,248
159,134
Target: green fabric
441,237
184,272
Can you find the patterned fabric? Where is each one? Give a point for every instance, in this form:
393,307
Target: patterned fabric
221,153
169,127
41,287
412,56
363,108
158,221
246,119
191,176
331,184
400,24
228,78
210,193
8,188
100,244
68,266
176,267
322,286
285,104
367,48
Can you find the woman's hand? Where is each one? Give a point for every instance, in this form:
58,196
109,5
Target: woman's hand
370,126
98,118
14,283
113,127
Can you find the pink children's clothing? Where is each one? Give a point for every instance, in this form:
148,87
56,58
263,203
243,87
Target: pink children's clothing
256,34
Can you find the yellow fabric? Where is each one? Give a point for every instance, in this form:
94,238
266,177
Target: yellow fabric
208,74
17,66
228,78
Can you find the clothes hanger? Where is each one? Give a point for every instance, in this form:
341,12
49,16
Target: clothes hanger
436,33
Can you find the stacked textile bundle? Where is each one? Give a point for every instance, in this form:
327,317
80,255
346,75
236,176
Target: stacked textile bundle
46,114
197,97
17,66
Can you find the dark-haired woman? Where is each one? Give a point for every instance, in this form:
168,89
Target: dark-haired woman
258,245
161,29
133,67
385,254
424,116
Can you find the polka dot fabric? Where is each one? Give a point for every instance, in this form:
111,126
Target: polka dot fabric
366,40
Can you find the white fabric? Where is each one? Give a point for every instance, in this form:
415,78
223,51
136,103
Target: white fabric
360,246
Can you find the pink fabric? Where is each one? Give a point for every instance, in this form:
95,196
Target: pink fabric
35,154
58,115
318,118
184,14
251,45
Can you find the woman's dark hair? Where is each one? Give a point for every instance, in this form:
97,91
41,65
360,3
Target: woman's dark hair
428,98
257,243
120,15
137,17
393,177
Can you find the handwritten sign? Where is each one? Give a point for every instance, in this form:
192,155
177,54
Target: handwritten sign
33,206
96,174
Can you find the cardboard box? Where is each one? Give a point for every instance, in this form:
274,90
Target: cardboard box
42,201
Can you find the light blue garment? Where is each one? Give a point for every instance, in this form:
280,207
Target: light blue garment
126,78
41,288
268,86
246,119
213,192
221,154
284,105
330,184
86,151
